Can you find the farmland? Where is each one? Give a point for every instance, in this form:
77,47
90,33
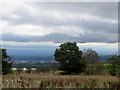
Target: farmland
38,80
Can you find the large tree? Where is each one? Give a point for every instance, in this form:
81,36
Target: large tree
6,62
70,58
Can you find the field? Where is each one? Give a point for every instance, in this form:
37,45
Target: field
40,81
0,82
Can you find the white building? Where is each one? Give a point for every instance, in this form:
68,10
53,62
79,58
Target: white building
14,69
33,69
24,69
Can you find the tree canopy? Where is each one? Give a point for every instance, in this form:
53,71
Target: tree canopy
6,62
70,58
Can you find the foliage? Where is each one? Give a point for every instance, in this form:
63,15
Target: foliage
70,58
92,59
96,69
91,56
6,62
114,65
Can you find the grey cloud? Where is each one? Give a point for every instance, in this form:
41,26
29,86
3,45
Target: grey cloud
100,9
46,20
14,37
25,17
54,37
60,38
98,26
105,9
94,31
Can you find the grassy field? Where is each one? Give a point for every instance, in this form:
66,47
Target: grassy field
0,82
25,80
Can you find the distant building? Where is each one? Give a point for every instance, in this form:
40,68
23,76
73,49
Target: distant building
24,69
14,69
33,69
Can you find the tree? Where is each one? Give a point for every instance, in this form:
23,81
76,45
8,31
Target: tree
0,61
91,56
114,65
70,58
92,59
6,62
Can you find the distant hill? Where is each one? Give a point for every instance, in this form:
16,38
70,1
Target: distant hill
104,57
41,58
31,58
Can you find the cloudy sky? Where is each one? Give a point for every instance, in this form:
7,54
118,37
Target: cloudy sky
45,25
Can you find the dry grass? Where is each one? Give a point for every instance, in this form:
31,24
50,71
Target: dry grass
0,81
59,81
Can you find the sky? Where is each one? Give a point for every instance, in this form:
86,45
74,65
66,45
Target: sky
40,27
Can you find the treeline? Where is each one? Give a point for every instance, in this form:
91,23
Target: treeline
96,67
74,61
71,60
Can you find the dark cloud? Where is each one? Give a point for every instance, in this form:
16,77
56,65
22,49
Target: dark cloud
60,38
14,37
96,26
